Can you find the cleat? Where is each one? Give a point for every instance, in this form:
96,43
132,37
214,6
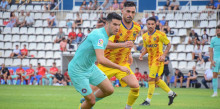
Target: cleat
214,95
171,98
81,101
145,103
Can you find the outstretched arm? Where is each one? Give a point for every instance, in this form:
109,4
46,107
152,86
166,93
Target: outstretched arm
127,44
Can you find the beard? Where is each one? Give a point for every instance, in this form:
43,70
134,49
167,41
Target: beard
218,34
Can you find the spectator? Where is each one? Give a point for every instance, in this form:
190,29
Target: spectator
138,75
192,75
106,5
60,35
145,79
101,22
153,15
210,5
12,20
4,73
174,5
83,6
207,77
139,47
29,74
69,24
89,7
20,72
166,69
115,6
163,21
51,5
79,37
167,5
53,70
63,44
205,58
16,52
158,25
95,5
144,19
72,36
217,4
78,21
197,54
178,78
122,4
21,19
41,71
24,51
204,38
194,38
29,21
59,78
67,78
51,20
4,5
166,28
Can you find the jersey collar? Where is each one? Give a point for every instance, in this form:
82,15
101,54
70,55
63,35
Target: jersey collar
126,27
152,33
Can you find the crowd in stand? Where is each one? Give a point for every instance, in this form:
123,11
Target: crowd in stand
32,76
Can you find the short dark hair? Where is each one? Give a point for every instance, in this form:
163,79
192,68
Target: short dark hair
113,15
145,72
152,18
218,27
38,63
129,4
137,68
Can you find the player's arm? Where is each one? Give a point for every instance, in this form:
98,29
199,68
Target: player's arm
211,56
143,53
127,44
130,59
104,61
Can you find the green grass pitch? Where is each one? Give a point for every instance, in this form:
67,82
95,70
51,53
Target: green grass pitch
51,97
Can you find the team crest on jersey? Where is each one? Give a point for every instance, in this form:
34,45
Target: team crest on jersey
134,33
121,34
100,43
84,90
155,38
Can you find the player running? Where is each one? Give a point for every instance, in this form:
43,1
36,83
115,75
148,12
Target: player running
82,69
119,52
215,60
153,45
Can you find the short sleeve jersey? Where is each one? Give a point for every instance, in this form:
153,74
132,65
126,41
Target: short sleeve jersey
120,55
154,45
215,44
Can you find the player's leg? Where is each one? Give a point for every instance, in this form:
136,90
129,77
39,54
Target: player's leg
215,84
50,77
43,79
181,82
132,82
151,82
163,85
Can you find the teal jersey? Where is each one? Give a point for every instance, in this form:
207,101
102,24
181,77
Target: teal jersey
85,55
215,44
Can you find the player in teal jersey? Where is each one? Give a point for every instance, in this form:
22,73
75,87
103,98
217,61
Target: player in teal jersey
82,69
215,59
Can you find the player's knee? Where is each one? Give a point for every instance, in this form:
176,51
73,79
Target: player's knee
135,91
109,91
91,100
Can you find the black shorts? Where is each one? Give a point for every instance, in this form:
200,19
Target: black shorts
15,54
166,72
196,57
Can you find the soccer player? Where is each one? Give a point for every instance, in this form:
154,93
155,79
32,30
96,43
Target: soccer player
53,70
215,59
119,52
82,69
28,75
153,45
40,73
4,73
20,72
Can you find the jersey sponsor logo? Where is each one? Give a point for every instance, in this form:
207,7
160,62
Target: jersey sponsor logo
100,43
155,38
152,45
84,90
134,33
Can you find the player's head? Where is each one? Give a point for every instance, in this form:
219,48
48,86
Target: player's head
38,65
113,23
218,30
151,24
204,31
54,64
3,65
145,72
194,68
16,46
128,11
30,65
20,66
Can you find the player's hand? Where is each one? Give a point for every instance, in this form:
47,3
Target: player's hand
128,44
141,58
162,58
213,63
125,69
